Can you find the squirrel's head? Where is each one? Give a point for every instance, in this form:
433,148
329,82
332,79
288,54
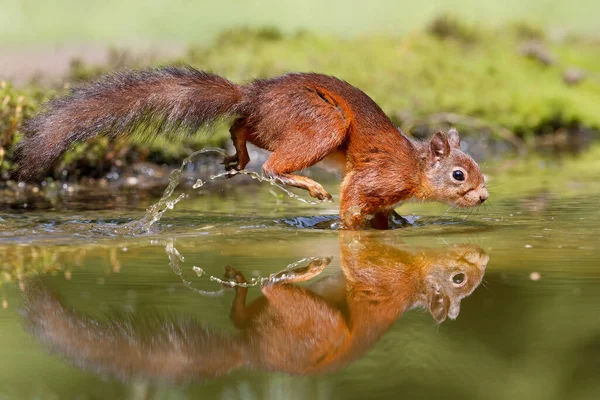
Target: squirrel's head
451,276
451,176
379,273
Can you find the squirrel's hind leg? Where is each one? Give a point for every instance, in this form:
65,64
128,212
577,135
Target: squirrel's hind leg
281,163
239,136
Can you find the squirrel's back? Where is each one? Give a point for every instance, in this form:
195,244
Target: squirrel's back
298,90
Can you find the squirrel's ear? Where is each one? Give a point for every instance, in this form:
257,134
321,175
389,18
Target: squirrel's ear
438,147
439,305
453,138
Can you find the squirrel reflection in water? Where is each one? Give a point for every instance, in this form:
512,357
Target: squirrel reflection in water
294,329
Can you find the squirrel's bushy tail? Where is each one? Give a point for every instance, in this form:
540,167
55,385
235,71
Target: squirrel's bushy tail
153,348
158,100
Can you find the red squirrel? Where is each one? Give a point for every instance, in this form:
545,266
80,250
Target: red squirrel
296,329
302,118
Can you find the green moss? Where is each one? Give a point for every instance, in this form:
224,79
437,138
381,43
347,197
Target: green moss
420,75
449,27
15,106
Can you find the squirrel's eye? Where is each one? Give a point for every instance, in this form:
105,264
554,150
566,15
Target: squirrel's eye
458,175
458,278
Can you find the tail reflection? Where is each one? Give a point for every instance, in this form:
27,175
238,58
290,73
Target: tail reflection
291,328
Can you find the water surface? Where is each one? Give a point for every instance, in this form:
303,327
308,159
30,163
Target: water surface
499,302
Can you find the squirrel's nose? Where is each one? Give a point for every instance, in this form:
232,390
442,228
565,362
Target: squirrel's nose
483,195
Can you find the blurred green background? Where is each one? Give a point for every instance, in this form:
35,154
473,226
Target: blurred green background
35,22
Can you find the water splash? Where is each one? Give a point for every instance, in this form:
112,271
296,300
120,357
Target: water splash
296,271
175,260
292,272
167,202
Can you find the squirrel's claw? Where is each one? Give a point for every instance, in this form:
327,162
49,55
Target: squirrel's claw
320,193
231,162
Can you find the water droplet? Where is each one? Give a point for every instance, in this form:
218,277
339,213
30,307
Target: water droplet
535,276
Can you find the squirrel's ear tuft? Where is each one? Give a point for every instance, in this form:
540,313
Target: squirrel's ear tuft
454,138
439,305
438,147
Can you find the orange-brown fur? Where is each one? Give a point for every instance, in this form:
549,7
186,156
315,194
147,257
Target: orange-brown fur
293,329
302,118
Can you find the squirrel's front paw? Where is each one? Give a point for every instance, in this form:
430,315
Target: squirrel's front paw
231,162
232,274
318,192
